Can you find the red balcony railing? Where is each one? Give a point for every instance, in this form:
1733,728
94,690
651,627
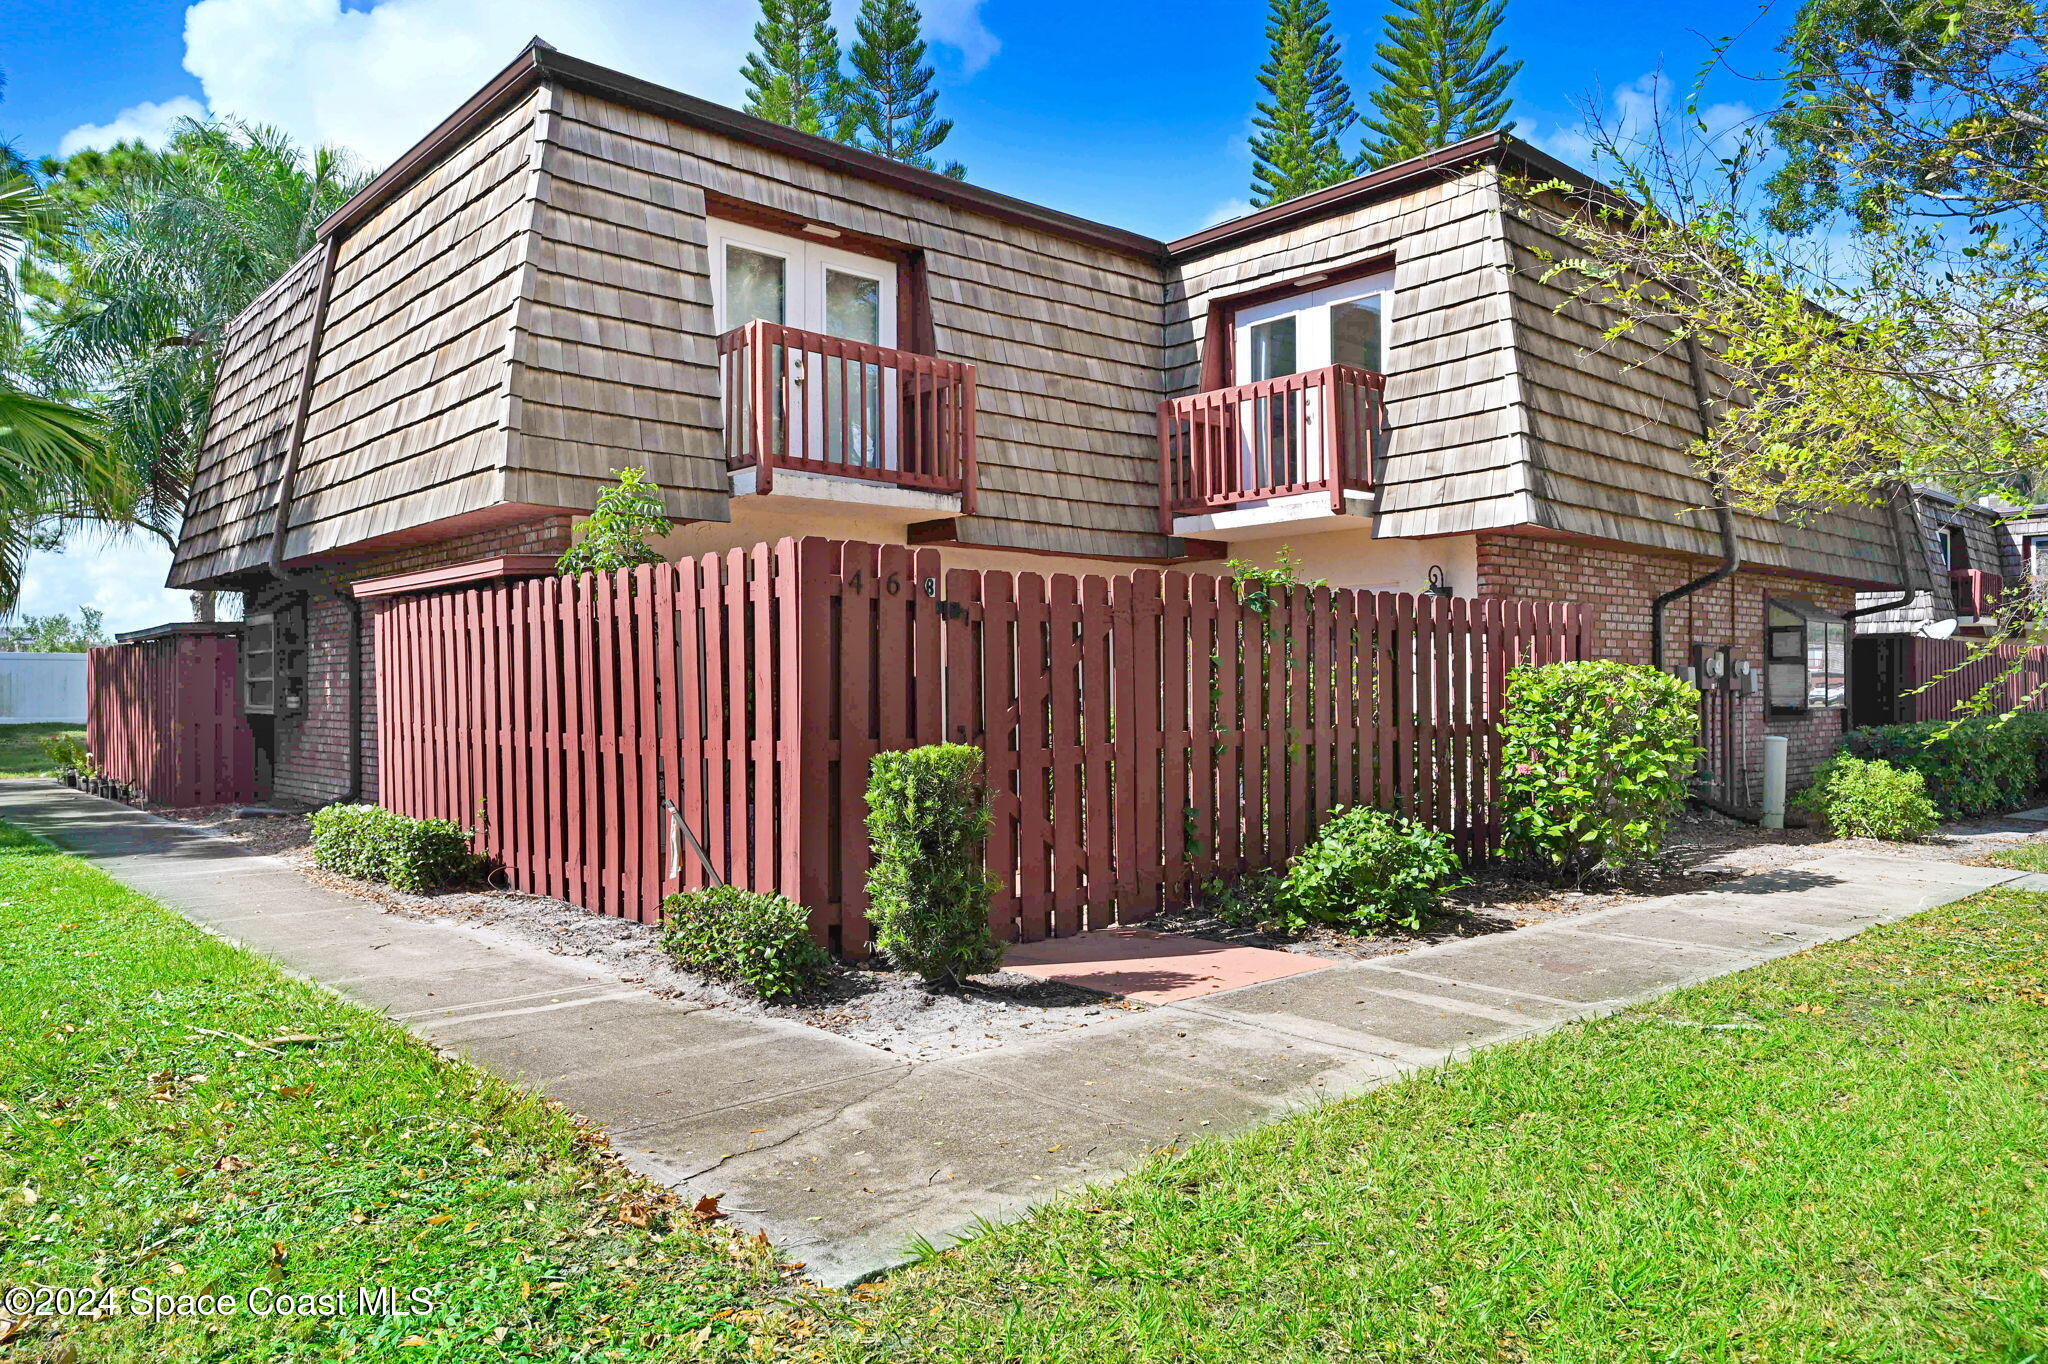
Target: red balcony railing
825,405
1300,433
1976,592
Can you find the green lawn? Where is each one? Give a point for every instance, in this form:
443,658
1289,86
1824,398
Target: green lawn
2025,857
1839,1156
21,752
177,1116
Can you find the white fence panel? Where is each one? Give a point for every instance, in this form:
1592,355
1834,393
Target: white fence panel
42,689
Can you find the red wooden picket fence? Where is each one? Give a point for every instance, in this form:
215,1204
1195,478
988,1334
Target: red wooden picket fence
163,717
1942,674
1141,733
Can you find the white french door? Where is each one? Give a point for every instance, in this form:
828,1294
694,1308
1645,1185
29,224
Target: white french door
1281,431
835,409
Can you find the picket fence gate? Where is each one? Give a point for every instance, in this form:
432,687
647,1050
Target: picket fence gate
164,718
613,738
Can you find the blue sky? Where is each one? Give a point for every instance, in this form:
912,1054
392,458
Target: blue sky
1131,113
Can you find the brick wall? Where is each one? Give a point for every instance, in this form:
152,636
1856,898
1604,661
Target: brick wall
1618,585
311,747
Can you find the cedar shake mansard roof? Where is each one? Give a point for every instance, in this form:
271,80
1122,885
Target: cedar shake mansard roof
522,303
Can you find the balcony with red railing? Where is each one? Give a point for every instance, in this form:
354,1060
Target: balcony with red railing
1975,592
823,407
1276,445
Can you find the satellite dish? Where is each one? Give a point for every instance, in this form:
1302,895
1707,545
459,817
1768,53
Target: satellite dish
1939,629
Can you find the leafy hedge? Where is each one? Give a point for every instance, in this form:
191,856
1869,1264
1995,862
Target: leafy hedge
1594,759
759,940
1971,767
1869,798
1366,868
372,843
928,893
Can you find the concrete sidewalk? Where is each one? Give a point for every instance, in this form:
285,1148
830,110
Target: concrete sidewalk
843,1153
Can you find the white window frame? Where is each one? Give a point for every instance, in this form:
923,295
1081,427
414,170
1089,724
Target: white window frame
804,283
1311,311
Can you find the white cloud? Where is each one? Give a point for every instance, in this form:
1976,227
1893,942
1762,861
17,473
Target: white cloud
955,24
1225,211
1632,113
375,79
122,576
145,122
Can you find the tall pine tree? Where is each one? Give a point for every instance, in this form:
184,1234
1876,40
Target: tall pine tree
889,97
793,78
1307,106
1440,81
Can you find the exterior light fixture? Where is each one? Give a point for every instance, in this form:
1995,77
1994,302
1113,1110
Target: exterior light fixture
1438,587
820,230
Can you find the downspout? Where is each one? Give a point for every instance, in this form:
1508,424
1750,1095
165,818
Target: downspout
1724,516
287,486
287,482
1900,546
354,607
1904,545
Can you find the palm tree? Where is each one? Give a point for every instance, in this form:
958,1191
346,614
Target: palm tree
164,249
54,462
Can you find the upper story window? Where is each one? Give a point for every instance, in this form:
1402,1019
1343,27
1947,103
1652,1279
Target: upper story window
1955,548
1339,324
759,275
2037,557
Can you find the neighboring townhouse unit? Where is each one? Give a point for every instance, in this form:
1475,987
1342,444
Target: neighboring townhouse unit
579,272
1975,552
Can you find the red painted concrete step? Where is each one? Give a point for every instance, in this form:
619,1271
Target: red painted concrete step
1153,968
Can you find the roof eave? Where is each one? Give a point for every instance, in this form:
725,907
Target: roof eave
1381,184
539,63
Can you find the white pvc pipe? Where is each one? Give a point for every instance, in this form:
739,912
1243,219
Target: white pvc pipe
1775,746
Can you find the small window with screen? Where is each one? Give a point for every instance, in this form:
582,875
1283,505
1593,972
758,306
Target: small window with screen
274,660
259,665
1806,657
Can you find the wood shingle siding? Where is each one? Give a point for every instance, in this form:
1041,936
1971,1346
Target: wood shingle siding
228,518
525,306
1611,425
408,417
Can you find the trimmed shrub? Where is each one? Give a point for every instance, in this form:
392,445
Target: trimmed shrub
346,839
1860,798
371,843
928,893
758,940
1366,868
1594,761
1971,767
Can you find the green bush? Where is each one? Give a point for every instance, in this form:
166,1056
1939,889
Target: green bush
928,894
615,534
68,751
1869,798
347,840
1366,868
1594,760
1250,901
371,843
1971,767
2033,728
757,940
